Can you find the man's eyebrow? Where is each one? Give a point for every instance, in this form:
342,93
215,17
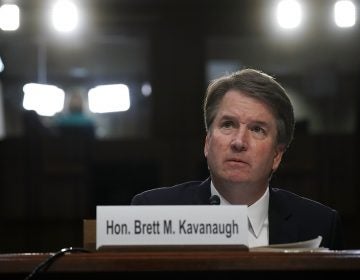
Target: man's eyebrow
229,117
258,122
261,123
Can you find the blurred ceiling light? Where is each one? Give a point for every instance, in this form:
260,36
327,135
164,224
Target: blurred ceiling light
344,13
46,100
9,17
109,98
289,14
1,65
65,16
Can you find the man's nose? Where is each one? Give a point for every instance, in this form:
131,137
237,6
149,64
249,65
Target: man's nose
239,141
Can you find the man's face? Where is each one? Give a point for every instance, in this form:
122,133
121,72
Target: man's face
240,146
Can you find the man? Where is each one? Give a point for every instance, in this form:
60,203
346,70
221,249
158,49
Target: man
250,123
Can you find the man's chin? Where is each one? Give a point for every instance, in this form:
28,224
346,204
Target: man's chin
236,179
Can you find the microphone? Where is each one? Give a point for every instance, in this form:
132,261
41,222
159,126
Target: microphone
214,200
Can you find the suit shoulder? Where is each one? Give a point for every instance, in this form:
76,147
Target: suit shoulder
184,193
186,186
299,202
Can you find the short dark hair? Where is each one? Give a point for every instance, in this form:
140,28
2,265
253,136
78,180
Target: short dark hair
258,85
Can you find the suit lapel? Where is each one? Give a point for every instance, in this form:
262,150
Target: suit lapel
282,226
203,193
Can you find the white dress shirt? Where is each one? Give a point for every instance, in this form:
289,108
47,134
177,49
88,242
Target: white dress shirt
258,222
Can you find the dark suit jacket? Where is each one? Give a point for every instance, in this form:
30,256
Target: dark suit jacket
292,218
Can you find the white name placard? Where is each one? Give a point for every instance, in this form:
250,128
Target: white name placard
171,225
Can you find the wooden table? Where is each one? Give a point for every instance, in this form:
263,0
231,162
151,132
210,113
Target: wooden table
177,262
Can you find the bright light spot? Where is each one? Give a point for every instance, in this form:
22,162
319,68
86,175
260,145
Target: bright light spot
1,65
109,98
65,16
289,14
9,17
46,100
146,89
344,13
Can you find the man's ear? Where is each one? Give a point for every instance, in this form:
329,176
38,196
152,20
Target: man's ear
279,152
206,145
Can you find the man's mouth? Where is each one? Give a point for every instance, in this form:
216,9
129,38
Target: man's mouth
236,161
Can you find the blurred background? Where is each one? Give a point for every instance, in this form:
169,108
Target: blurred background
101,99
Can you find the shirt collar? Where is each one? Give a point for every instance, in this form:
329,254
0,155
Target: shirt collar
214,191
257,212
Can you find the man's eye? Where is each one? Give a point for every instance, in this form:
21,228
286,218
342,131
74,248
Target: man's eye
258,129
227,124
